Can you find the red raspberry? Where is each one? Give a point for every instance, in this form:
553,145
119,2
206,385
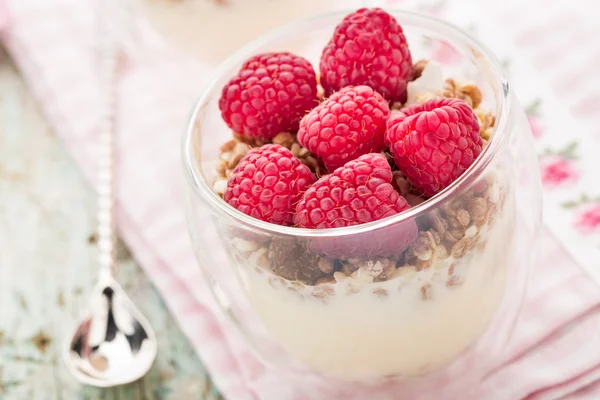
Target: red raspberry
348,124
357,193
368,48
268,183
434,143
269,95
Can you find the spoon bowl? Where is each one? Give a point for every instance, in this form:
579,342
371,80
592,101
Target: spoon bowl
112,343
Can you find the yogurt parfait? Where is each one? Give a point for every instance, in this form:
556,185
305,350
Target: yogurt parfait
366,203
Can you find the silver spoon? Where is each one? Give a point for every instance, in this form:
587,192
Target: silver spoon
112,343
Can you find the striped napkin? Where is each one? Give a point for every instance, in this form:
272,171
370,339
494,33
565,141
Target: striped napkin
553,350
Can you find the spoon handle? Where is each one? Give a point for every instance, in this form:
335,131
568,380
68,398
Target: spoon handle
106,140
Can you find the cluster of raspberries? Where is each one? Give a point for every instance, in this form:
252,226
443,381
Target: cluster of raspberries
363,69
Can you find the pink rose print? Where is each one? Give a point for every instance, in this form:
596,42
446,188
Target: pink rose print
588,221
588,213
536,128
444,53
533,112
558,165
558,171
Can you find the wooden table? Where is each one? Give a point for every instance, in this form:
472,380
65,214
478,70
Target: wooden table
48,267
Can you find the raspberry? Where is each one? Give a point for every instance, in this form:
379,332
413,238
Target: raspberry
269,95
368,48
268,183
434,143
348,124
357,193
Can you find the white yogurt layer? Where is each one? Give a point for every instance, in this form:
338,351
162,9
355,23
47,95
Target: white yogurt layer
391,328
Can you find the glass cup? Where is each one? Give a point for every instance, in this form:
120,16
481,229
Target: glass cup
393,299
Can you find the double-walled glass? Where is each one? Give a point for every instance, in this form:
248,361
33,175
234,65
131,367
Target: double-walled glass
392,299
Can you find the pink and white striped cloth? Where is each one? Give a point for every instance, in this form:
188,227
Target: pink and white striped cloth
553,352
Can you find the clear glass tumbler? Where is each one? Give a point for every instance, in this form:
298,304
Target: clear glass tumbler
362,314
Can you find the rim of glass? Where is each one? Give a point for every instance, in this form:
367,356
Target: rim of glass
205,191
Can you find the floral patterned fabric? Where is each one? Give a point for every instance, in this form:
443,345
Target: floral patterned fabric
566,133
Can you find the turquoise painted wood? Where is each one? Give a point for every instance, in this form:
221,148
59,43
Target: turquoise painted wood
48,266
